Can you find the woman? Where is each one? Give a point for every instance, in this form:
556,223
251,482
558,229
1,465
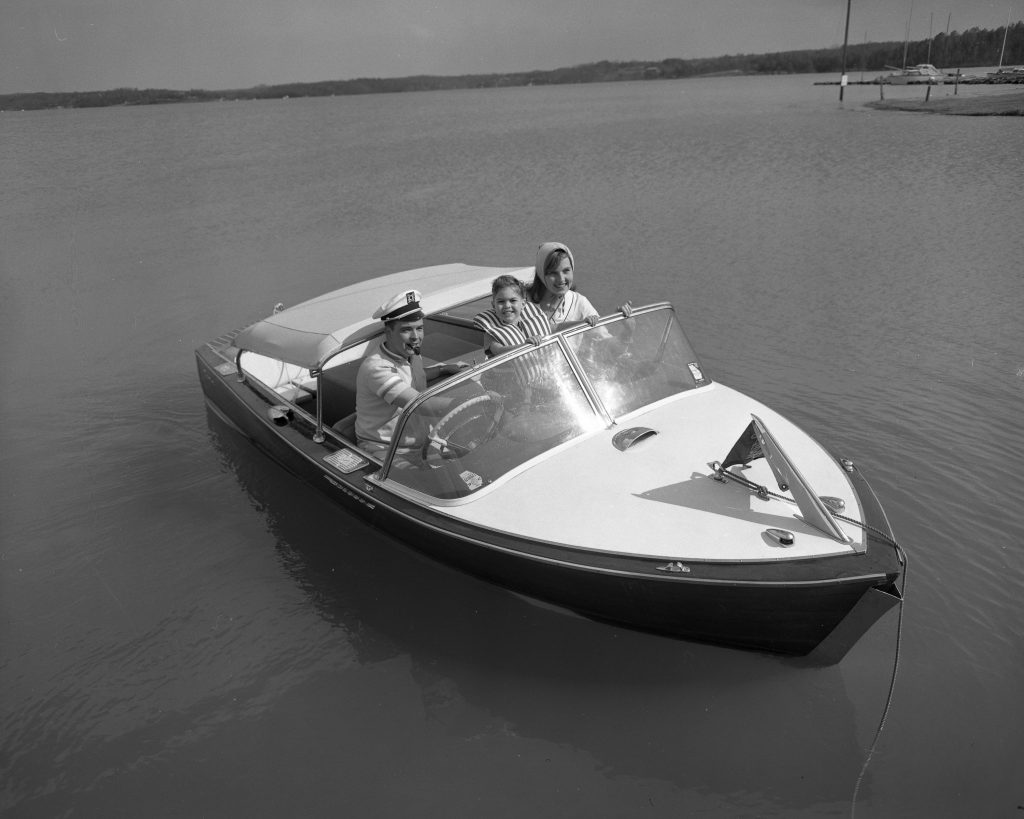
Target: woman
553,288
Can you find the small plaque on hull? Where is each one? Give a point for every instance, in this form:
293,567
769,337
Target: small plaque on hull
345,460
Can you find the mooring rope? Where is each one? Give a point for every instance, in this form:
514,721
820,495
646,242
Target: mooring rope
901,556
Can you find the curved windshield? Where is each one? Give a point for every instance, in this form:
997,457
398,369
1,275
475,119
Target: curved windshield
634,362
501,417
517,407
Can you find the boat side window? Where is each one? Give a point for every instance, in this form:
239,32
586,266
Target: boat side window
445,340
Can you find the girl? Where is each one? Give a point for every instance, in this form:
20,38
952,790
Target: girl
554,291
513,320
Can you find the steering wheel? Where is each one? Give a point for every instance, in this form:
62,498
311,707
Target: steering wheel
465,426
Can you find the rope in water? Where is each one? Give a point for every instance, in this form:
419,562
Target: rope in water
901,556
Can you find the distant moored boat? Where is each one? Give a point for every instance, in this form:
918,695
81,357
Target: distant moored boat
912,75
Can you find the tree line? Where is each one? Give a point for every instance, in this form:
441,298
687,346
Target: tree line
973,47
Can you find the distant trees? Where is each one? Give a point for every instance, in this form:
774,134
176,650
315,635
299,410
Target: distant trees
974,47
101,99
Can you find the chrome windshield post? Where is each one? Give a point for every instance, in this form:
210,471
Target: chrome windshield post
581,377
318,434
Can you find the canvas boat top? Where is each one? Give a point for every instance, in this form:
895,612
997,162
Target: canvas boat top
308,334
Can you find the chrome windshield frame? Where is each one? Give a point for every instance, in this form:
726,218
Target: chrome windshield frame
561,339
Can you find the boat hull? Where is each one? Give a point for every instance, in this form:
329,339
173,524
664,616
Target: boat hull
781,607
912,80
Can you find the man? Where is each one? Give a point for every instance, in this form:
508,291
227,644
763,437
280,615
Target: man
392,375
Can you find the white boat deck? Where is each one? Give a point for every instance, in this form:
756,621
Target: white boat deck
657,498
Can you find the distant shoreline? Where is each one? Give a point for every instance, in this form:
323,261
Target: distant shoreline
990,105
956,49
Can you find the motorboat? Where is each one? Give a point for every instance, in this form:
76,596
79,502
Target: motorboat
913,75
602,471
1009,74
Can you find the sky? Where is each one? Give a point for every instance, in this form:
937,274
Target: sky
92,45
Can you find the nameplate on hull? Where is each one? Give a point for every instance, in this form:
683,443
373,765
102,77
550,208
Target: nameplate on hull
345,460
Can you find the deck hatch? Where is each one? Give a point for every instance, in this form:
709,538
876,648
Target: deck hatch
626,438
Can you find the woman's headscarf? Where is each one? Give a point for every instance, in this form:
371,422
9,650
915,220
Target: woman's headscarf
544,251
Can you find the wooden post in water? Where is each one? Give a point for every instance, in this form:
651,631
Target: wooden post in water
846,37
928,93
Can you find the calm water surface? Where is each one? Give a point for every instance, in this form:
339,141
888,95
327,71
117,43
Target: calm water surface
187,630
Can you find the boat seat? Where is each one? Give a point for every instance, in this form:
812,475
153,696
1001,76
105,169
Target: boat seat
291,382
295,393
339,391
346,427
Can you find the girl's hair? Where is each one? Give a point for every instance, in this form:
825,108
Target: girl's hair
502,282
537,289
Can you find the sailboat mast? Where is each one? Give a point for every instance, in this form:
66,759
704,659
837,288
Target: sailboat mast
931,20
1005,32
846,37
906,38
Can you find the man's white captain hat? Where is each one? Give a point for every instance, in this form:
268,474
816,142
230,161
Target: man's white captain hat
404,306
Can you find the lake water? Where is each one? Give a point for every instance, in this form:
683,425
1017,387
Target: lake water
187,630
